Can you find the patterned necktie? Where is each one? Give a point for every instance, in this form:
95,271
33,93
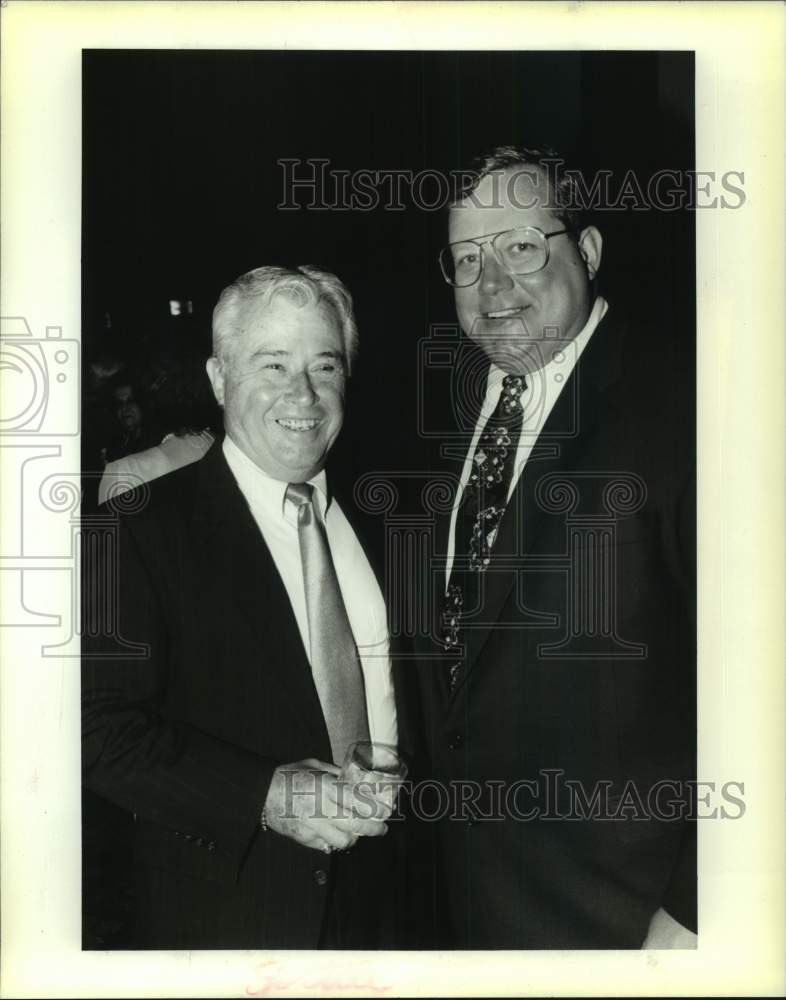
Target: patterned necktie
334,657
481,510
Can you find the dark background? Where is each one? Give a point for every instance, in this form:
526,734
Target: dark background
181,184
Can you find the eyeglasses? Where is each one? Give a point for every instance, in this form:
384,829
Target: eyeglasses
518,251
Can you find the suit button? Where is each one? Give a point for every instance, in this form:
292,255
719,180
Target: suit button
320,877
456,742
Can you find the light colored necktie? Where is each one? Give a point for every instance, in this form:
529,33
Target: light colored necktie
334,657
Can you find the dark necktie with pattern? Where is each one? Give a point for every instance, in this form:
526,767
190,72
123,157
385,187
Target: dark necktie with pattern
334,657
481,510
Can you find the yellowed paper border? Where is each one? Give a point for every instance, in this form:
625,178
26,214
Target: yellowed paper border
740,126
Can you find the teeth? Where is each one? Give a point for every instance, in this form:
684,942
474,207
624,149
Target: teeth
298,425
502,313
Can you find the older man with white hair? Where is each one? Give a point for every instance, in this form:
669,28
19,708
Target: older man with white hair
265,653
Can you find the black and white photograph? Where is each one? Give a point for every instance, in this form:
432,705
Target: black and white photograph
383,461
501,348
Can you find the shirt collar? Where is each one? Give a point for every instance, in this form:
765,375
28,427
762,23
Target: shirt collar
255,483
598,311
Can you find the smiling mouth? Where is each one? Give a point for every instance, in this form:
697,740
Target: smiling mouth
504,313
291,424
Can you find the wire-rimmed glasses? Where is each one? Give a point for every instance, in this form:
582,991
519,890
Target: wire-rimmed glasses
524,250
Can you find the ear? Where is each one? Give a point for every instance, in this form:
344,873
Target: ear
591,249
215,372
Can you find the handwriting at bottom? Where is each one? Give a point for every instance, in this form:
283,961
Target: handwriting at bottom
270,982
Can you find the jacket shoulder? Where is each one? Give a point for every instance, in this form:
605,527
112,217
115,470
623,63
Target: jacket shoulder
168,498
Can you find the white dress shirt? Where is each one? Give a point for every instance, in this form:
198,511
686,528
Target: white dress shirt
277,520
543,389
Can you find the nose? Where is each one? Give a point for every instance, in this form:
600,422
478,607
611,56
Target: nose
494,277
300,390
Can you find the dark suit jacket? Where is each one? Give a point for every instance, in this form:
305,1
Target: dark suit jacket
185,729
580,667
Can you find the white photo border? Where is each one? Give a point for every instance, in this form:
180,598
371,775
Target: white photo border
740,281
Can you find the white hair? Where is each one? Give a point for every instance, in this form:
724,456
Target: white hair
304,284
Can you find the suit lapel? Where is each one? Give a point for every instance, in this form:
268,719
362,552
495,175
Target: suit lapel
232,549
558,449
431,660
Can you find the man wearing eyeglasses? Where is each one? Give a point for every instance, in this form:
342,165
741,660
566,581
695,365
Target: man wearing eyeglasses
561,715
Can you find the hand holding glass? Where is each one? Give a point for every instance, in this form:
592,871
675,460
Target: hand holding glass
374,770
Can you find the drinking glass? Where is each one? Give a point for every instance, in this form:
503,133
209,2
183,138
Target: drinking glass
376,766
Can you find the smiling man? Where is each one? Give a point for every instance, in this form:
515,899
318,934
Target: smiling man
280,373
522,278
563,710
247,650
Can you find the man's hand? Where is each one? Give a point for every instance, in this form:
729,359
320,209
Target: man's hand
665,932
307,803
